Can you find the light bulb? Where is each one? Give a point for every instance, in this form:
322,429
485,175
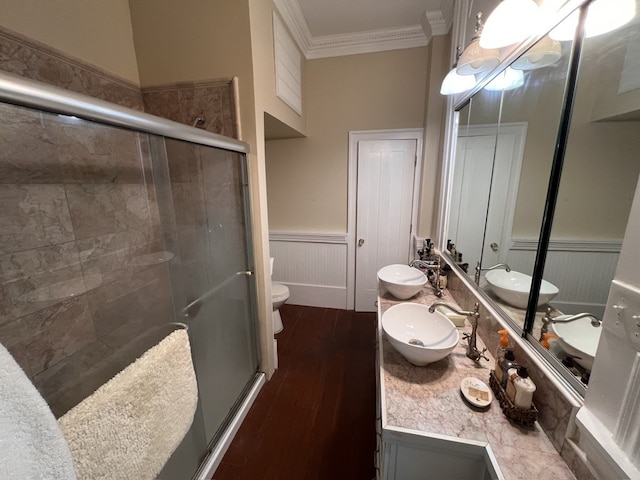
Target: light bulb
602,16
511,22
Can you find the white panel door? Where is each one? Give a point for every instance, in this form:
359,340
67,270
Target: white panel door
386,170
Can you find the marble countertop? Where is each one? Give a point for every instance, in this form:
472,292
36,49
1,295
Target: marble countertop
428,400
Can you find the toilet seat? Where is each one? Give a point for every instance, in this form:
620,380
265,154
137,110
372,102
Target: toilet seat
279,292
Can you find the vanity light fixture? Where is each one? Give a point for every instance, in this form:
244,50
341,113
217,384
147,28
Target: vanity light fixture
545,52
602,16
476,59
508,79
454,82
511,22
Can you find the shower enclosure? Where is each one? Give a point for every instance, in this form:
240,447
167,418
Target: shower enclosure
113,225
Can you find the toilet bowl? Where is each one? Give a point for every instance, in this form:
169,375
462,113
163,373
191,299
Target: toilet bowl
279,295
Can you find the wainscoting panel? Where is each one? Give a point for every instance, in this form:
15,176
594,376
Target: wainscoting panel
313,266
582,270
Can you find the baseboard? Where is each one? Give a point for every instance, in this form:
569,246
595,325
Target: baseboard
317,295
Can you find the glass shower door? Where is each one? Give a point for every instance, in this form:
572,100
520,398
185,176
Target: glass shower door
204,216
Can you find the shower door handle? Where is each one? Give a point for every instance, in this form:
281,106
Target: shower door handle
361,242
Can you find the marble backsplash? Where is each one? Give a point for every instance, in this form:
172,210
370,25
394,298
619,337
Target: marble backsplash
554,409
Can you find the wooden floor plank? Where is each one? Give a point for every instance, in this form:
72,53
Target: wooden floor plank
315,418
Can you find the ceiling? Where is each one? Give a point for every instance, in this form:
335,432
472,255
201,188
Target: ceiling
326,28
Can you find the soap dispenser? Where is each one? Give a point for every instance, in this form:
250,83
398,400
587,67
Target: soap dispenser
503,344
501,353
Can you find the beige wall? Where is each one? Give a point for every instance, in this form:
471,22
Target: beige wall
600,168
307,177
435,111
97,32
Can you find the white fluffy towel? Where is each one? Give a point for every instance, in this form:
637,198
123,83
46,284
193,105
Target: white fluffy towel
130,426
31,444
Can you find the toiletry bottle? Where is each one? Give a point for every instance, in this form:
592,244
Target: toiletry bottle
520,388
509,362
545,340
501,353
503,343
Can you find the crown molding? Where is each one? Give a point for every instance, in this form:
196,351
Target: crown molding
436,22
367,42
440,20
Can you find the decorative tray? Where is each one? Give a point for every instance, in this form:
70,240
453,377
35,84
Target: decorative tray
519,416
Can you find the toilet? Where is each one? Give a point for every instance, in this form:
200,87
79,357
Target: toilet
279,295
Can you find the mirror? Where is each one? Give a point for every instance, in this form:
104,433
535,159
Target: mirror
500,221
597,186
505,146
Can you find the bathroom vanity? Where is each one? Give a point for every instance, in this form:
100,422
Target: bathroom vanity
425,429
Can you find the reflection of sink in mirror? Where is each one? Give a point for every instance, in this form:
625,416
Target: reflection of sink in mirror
402,281
420,336
579,339
513,287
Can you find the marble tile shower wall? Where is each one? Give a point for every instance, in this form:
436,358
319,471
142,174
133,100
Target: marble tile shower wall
82,291
31,59
212,101
80,295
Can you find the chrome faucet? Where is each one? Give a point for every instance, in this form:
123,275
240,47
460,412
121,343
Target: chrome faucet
548,319
472,349
434,268
422,263
479,270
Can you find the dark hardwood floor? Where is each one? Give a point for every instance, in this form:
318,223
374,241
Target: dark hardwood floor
315,419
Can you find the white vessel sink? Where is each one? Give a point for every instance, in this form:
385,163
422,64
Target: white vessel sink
420,336
579,339
513,287
402,281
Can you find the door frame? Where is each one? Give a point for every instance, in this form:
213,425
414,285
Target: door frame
356,136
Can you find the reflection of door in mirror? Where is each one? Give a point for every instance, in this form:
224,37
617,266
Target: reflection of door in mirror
472,175
487,173
599,177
